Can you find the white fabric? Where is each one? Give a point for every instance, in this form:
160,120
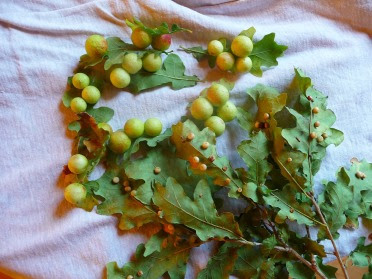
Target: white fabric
42,236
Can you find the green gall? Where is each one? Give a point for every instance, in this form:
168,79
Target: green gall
119,78
119,142
227,112
134,128
78,105
215,47
241,46
77,163
96,46
201,109
152,62
141,38
218,94
243,64
80,80
132,63
225,61
216,124
91,94
153,127
75,193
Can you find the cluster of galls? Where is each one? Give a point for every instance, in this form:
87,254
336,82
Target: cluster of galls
89,95
196,163
237,58
265,124
217,96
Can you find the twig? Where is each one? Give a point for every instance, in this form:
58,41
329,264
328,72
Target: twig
289,250
330,237
313,262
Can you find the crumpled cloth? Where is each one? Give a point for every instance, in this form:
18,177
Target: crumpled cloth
41,235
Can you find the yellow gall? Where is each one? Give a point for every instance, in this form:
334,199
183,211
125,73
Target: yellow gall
203,167
316,124
127,189
315,110
115,180
313,135
205,145
240,190
190,136
319,139
266,116
324,135
140,273
126,183
157,170
227,181
195,159
289,159
133,193
257,125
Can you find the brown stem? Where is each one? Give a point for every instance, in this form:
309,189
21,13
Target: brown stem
313,262
337,254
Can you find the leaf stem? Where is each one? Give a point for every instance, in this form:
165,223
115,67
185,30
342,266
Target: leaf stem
317,208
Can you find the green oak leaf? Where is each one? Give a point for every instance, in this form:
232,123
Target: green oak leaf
150,142
250,262
115,201
361,256
221,264
171,73
116,50
199,214
155,243
197,52
218,168
101,114
171,259
327,270
298,270
265,53
248,32
286,202
87,61
163,28
344,201
170,165
254,152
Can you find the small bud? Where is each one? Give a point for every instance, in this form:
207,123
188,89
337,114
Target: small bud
316,124
319,139
310,98
130,277
257,125
205,145
115,180
157,170
313,135
127,189
190,136
289,159
291,210
266,125
227,181
140,273
324,135
133,193
126,183
315,110
224,168
169,228
195,160
211,158
203,167
240,190
266,116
